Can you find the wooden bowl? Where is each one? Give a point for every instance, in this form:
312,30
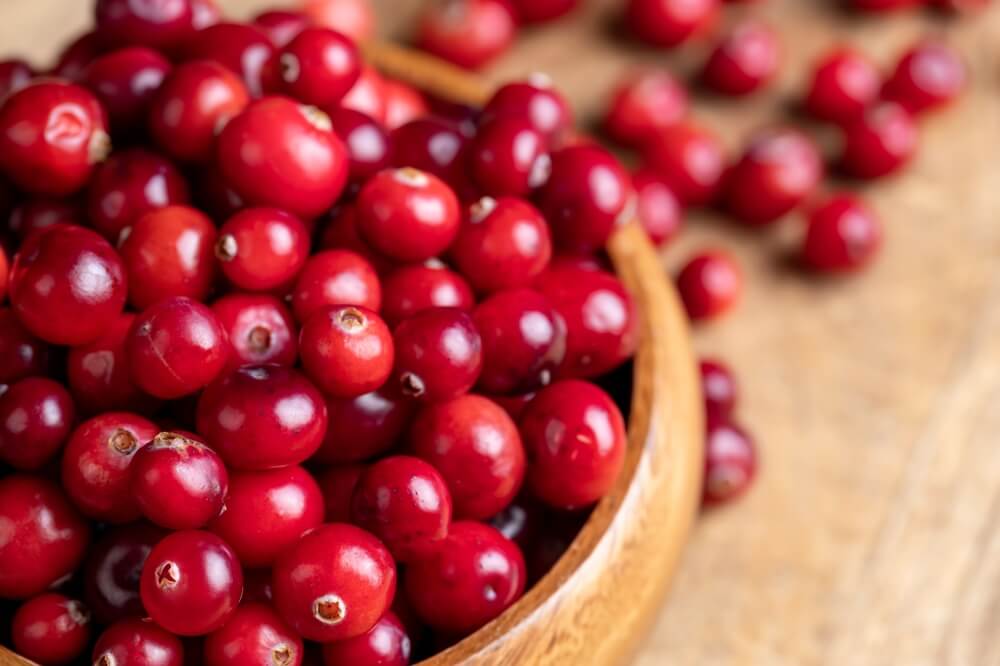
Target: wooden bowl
600,598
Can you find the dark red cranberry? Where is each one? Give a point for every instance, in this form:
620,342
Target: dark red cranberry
341,233
537,101
44,539
67,285
670,22
169,252
262,248
599,316
175,348
347,350
960,6
125,82
254,635
36,416
14,75
643,103
403,103
244,49
690,160
192,104
468,33
744,60
513,404
134,642
335,277
4,274
709,284
267,512
262,417
843,234
929,75
51,629
282,26
337,484
719,388
113,568
354,18
418,287
155,23
883,5
34,214
21,354
260,330
435,145
367,95
656,207
533,11
364,427
476,447
879,143
385,644
844,84
74,58
334,583
438,354
476,574
730,462
96,462
319,66
367,142
508,156
61,133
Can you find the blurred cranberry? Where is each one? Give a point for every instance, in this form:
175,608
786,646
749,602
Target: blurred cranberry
354,18
879,143
244,49
468,33
14,75
541,11
669,22
282,26
154,23
746,59
844,84
730,462
125,82
367,95
644,102
709,284
842,235
536,100
689,159
656,208
929,75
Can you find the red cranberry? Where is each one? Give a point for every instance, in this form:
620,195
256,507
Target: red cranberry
341,233
156,23
36,416
52,133
21,354
509,157
191,583
319,66
730,462
743,61
191,105
51,629
4,274
67,285
533,11
254,635
434,145
35,214
354,18
599,316
656,207
844,84
468,33
113,568
881,142
364,427
254,157
670,22
385,644
929,75
403,103
335,277
260,330
267,512
125,82
690,160
334,583
367,95
347,350
74,58
513,404
477,449
14,75
282,26
262,248
537,101
204,13
780,168
337,484
175,348
262,417
475,575
243,49
883,5
168,252
719,387
135,642
585,197
128,185
843,235
367,142
643,103
418,287
709,284
44,539
960,5
438,354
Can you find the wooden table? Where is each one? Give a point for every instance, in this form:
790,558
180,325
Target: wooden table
871,536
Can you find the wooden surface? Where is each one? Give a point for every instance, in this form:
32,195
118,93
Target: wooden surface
870,538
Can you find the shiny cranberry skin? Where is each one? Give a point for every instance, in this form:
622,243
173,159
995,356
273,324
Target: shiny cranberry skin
334,583
347,350
21,354
260,330
468,33
319,66
254,155
244,49
51,629
135,642
125,82
335,277
169,252
709,284
354,18
779,170
929,75
262,248
843,235
67,285
730,462
36,416
367,95
476,447
156,23
282,26
262,417
719,388
52,133
643,103
584,197
405,502
385,644
418,287
266,512
536,100
34,214
367,142
881,142
337,484
689,159
508,156
656,207
254,635
364,427
191,105
844,84
599,316
669,22
113,568
403,103
434,145
743,61
14,75
97,373
175,348
476,574
438,354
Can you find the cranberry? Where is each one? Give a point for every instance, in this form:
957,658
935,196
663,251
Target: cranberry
929,75
262,417
14,75
135,642
438,354
156,23
843,235
254,635
282,26
319,66
960,5
354,18
364,427
334,583
260,330
719,387
175,348
52,133
204,13
536,100
337,484
367,142
513,404
883,5
195,101
656,207
403,103
585,197
21,354
267,512
476,447
262,248
434,145
844,84
730,462
643,103
36,416
125,82
670,22
475,575
385,644
689,159
44,539
341,233
67,285
599,316
77,54
418,287
744,60
34,214
533,11
51,629
468,33
168,252
509,157
243,49
709,284
4,273
335,277
113,568
367,95
347,350
254,157
879,143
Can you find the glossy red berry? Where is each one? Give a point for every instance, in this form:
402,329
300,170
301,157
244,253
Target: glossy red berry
347,350
367,141
537,101
337,484
689,159
417,287
14,75
403,103
367,95
260,330
842,235
254,635
438,354
35,214
21,354
262,248
125,82
51,629
135,642
335,277
844,84
282,26
508,156
719,388
243,49
385,644
643,103
468,33
709,284
319,66
364,427
435,145
929,75
334,583
744,60
156,23
657,209
669,22
730,462
113,568
879,143
36,416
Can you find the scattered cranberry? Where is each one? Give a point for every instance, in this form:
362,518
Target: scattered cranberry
709,284
403,103
244,49
844,84
730,462
643,103
254,635
929,75
260,330
509,157
744,60
21,354
51,629
113,568
337,484
354,18
367,95
468,33
156,23
879,143
262,248
385,644
335,277
125,82
719,387
537,101
346,350
438,354
282,26
690,160
843,235
14,75
35,214
670,22
319,66
418,287
367,141
36,416
364,427
134,641
656,207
